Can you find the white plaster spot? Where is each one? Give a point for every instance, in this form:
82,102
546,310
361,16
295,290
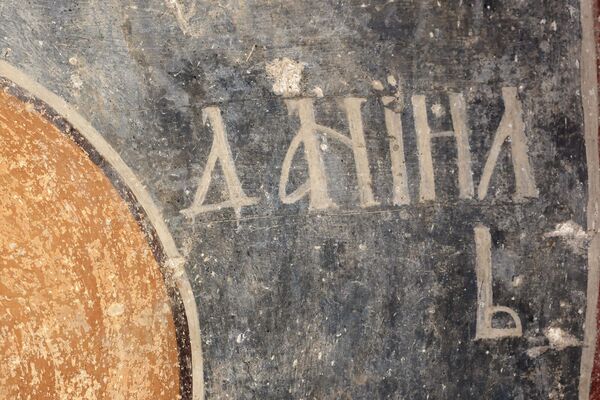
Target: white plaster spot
115,310
398,98
76,81
286,75
240,338
176,266
563,304
438,110
73,61
559,339
377,85
317,91
537,351
572,233
517,281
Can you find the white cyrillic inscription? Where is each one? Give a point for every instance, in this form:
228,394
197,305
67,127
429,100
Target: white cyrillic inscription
221,152
511,129
485,297
458,112
316,184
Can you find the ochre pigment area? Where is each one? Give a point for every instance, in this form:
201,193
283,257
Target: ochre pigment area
84,312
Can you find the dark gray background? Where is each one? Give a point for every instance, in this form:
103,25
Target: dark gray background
347,303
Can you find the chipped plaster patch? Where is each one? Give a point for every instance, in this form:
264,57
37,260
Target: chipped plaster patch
286,75
391,79
377,85
115,310
537,351
560,340
573,233
438,110
76,81
395,102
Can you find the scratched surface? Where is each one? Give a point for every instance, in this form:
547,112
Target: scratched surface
345,300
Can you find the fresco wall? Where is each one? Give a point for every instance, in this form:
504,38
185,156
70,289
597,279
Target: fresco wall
298,200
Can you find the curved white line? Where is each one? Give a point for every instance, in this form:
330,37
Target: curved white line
174,260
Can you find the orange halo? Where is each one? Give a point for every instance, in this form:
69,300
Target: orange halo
84,310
